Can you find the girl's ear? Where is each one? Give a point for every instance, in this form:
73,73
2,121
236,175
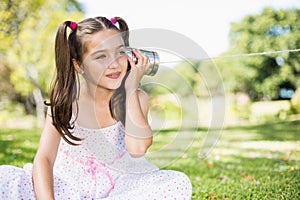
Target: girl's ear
77,66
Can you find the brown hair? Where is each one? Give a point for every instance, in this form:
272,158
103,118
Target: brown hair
66,81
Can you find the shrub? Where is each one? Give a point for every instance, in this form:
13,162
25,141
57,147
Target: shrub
295,101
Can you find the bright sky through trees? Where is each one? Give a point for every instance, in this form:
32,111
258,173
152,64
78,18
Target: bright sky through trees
205,22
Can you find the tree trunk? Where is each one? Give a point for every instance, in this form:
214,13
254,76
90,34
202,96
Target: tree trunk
40,114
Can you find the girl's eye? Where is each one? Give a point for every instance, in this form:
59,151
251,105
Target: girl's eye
122,52
100,57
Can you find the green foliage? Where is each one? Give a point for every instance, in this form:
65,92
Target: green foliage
295,102
11,111
27,36
261,76
264,111
180,80
203,77
198,79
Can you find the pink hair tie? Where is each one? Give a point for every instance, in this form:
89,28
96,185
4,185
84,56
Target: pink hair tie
73,25
113,20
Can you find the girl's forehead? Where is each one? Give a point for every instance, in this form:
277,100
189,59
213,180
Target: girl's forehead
105,39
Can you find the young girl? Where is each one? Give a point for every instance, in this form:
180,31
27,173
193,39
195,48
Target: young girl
96,131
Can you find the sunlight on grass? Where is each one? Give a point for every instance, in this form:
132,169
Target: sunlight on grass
18,146
241,165
247,162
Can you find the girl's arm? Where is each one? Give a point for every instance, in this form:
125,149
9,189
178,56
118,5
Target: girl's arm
138,136
44,161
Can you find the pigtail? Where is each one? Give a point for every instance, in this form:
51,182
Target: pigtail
64,84
124,29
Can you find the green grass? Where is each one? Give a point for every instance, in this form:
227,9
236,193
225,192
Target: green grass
247,162
18,146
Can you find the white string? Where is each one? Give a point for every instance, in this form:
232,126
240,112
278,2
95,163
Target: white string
237,55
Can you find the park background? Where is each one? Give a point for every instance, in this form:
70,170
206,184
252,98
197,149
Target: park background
255,151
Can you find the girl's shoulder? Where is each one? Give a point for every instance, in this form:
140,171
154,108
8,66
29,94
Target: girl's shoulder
142,93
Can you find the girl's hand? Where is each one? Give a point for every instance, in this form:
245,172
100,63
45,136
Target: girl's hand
137,70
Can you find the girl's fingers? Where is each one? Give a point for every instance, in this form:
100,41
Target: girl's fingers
142,58
132,63
143,62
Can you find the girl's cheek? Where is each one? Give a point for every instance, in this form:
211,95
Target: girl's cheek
124,63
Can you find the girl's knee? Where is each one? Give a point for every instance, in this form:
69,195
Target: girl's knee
179,183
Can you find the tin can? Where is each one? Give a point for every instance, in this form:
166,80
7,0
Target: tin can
153,57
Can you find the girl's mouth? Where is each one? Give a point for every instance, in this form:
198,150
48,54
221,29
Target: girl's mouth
114,75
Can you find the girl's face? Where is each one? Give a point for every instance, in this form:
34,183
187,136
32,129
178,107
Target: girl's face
105,60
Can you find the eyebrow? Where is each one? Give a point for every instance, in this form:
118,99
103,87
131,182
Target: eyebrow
102,50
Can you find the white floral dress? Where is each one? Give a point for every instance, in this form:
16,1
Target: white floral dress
98,168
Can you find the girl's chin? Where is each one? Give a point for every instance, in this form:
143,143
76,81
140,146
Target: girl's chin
111,86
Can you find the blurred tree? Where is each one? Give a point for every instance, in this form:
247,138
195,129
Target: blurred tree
203,78
261,76
182,80
27,32
189,78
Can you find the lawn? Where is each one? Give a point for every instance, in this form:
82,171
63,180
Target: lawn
245,162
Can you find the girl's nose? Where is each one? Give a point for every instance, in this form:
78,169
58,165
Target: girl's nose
114,62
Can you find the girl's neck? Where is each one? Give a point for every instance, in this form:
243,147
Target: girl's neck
93,107
96,94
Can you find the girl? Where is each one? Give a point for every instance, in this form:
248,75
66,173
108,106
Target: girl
96,132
